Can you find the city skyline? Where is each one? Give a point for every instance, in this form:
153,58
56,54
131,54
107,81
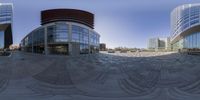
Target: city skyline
99,50
119,23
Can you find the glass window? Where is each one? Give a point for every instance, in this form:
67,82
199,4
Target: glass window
80,34
188,40
38,41
84,48
57,33
61,32
84,36
1,39
75,33
194,17
184,42
198,39
5,13
194,22
58,49
194,40
94,39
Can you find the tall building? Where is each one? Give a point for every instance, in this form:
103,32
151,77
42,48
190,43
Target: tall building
153,43
185,27
63,31
159,44
6,15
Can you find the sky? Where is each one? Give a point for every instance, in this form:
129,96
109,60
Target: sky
121,23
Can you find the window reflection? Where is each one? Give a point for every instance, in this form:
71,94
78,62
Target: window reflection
38,41
58,39
5,13
34,42
75,33
192,41
85,38
184,18
1,39
57,33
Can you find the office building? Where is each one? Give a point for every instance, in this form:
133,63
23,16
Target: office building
158,44
63,32
185,27
6,15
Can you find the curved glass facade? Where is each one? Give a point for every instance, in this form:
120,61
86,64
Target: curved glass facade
5,13
1,39
62,38
34,42
183,18
89,40
192,40
57,37
58,33
5,25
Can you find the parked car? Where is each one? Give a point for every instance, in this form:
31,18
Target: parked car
111,51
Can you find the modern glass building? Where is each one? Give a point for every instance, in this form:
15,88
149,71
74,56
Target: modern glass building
63,32
6,14
159,44
153,43
185,27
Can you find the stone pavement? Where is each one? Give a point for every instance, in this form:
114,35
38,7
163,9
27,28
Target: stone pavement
104,76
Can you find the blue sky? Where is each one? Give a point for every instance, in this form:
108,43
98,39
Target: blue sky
120,22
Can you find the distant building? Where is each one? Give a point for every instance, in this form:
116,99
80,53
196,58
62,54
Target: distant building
63,32
102,47
159,44
6,10
14,47
153,43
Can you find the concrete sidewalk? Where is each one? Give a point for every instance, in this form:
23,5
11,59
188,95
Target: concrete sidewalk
117,76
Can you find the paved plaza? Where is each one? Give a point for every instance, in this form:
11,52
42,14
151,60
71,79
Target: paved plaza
103,76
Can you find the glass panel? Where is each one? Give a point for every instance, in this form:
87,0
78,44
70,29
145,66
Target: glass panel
187,41
194,22
81,35
5,13
58,49
198,39
84,48
195,40
1,39
190,41
57,33
57,38
38,41
75,33
61,32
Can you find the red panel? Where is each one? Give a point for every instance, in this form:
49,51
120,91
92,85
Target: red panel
73,15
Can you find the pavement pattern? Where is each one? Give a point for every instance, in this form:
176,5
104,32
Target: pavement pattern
103,76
